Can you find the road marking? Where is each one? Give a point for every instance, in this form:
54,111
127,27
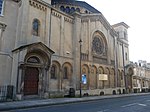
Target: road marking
142,105
129,105
148,100
132,104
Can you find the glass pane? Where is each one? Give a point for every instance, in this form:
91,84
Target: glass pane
35,27
1,6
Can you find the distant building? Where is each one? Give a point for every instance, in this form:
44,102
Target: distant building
141,77
40,49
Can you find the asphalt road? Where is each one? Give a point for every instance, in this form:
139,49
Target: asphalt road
124,104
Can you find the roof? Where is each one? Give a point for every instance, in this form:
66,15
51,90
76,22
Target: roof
63,1
76,3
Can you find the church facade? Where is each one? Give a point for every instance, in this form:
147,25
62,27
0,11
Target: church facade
50,46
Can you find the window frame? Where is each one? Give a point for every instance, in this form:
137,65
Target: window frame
126,55
2,11
65,73
55,70
36,32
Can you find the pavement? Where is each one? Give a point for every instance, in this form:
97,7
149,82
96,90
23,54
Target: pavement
4,106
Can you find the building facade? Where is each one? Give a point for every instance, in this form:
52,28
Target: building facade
41,55
141,76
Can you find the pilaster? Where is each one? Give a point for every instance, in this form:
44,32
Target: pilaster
22,26
76,48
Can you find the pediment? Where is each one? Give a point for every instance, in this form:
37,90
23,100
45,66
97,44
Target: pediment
34,47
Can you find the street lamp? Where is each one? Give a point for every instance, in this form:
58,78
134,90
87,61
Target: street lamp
80,41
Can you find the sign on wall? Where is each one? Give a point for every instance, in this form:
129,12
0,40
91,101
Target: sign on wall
84,79
103,77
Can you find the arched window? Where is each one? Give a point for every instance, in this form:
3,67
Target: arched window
36,27
62,8
126,56
125,34
53,72
65,75
78,10
67,9
1,6
86,11
72,10
33,59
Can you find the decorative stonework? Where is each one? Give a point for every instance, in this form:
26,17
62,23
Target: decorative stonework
68,20
56,14
98,45
84,20
37,5
99,60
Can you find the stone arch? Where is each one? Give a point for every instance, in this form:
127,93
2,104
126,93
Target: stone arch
112,78
56,72
130,72
55,76
107,82
86,71
103,42
100,71
43,56
67,66
35,72
66,76
93,77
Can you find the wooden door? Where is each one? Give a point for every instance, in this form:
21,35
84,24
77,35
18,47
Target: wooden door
31,79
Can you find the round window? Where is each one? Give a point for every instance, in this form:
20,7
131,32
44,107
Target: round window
97,45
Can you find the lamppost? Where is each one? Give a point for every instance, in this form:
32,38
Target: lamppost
80,42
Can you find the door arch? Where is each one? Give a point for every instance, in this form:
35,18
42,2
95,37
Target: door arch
31,80
31,77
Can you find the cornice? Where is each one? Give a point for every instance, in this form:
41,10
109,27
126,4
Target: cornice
60,14
38,4
121,23
123,42
55,13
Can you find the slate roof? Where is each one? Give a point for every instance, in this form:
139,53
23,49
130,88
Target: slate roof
76,3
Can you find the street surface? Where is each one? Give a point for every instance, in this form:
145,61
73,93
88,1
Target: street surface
123,104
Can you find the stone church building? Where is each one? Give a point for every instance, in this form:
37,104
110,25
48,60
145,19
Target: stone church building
50,46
